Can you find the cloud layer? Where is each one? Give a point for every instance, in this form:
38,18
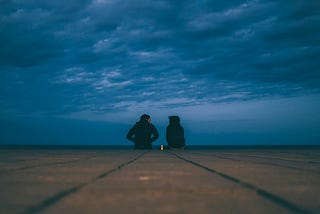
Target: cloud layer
115,55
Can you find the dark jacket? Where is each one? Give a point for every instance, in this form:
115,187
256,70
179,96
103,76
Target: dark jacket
175,133
143,134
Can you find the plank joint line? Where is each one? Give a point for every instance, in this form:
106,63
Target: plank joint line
261,192
59,196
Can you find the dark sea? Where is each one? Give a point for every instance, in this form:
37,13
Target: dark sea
157,147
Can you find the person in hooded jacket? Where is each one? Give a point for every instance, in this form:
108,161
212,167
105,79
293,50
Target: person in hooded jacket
143,133
175,133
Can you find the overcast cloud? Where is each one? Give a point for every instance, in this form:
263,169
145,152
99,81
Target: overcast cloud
87,58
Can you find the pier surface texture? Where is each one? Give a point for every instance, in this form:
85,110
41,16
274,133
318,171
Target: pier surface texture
137,181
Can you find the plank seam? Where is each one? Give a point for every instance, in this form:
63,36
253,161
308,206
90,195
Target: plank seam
59,196
261,162
43,165
259,191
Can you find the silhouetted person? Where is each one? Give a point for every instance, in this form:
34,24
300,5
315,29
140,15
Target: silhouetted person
175,134
143,133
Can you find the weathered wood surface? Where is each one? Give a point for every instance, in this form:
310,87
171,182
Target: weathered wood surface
130,181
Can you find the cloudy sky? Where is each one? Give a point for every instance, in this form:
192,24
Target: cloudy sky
237,72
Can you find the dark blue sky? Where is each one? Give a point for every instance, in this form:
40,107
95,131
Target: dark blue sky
236,72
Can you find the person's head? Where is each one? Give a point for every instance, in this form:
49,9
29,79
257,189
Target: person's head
174,120
145,117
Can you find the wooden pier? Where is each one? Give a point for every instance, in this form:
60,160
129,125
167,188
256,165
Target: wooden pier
136,181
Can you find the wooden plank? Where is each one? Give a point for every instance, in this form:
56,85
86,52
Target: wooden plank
162,183
296,185
120,181
25,189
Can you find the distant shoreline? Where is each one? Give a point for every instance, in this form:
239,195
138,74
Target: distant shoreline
155,147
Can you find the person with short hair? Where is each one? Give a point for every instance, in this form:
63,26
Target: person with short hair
143,133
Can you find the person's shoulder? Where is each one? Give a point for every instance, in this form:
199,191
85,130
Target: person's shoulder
136,124
151,125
